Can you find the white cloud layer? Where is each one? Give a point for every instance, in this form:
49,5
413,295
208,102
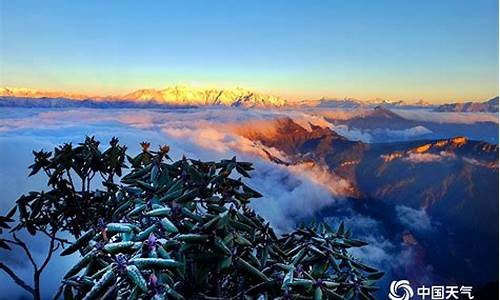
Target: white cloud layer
447,117
290,192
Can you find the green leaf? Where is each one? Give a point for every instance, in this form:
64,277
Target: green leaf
135,275
118,227
318,293
159,212
192,238
82,263
366,296
341,229
4,245
98,288
118,247
250,270
79,243
168,225
144,185
375,276
142,263
141,236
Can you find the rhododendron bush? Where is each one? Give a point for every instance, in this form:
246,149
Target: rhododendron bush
176,230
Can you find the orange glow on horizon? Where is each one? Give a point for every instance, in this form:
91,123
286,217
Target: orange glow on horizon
292,95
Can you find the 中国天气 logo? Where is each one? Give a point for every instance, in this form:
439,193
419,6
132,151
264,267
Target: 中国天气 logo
400,290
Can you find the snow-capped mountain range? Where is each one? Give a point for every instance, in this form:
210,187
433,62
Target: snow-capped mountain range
182,95
175,95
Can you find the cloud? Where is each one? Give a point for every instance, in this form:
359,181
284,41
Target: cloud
290,192
408,133
447,117
411,114
422,157
416,219
370,135
384,251
380,251
288,196
352,134
428,157
340,114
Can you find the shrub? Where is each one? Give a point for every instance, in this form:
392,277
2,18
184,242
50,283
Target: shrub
182,230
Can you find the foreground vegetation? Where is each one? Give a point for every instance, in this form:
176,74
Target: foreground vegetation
173,230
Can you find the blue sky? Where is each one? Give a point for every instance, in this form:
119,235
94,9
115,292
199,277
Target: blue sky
431,50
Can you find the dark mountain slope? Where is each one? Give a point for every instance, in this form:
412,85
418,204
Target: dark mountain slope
452,182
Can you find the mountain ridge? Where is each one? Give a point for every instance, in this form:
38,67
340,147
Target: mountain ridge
450,181
184,95
486,106
174,95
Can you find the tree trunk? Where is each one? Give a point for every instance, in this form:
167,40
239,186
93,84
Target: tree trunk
36,281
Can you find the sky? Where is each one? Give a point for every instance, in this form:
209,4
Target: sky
437,51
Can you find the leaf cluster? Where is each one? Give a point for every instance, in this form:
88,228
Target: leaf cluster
177,230
72,204
185,230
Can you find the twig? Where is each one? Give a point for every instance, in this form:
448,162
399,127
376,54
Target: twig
68,173
26,250
60,240
16,279
49,254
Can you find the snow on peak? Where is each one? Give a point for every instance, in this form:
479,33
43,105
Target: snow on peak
174,95
186,95
13,91
31,93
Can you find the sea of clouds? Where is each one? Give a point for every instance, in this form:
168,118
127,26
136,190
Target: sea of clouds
290,192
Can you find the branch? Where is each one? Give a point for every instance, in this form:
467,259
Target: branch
83,186
49,254
89,181
26,250
68,173
110,291
58,239
47,172
16,279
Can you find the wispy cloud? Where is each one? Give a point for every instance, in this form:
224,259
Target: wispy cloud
416,219
290,192
447,117
428,157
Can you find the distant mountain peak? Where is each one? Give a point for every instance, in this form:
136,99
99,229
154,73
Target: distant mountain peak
188,95
486,106
33,93
173,95
385,113
15,90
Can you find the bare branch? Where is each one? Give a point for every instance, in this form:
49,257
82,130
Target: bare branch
16,279
51,250
26,250
58,239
